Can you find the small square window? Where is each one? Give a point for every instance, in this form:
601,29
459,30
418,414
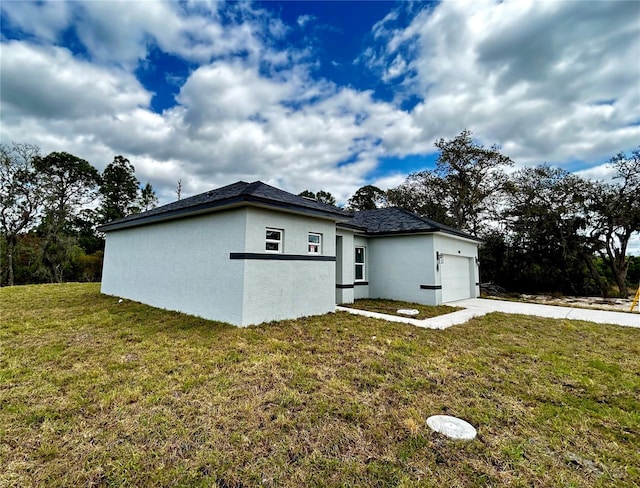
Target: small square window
273,242
314,243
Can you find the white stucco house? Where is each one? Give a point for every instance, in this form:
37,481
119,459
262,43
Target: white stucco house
249,253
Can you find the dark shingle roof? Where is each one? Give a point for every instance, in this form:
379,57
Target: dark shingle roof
394,220
381,221
236,193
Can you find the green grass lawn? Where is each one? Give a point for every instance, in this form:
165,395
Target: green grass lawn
97,393
391,307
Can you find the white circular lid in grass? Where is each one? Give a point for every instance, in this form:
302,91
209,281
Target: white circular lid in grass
408,311
452,427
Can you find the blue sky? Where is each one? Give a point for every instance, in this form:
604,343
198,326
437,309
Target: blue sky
319,95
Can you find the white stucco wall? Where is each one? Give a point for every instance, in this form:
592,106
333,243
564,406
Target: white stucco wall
400,265
283,289
180,265
345,267
277,290
404,267
186,265
296,230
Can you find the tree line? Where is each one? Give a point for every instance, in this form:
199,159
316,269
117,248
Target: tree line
544,229
50,207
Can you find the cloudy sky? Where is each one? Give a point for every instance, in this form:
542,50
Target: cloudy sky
318,95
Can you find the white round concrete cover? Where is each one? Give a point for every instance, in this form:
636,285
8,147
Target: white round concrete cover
452,427
408,311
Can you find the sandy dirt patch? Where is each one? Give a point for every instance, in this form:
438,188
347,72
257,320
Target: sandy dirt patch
598,303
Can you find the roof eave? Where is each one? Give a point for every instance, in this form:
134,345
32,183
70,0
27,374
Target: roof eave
396,233
400,232
462,235
299,209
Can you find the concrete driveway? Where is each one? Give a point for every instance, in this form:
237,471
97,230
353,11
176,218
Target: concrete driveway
476,307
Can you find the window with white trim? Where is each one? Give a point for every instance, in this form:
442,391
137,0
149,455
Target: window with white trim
273,241
360,264
314,243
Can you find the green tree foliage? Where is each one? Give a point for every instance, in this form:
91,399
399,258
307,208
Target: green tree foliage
545,222
563,233
118,190
494,256
633,273
544,228
464,188
21,198
29,264
473,178
325,197
307,194
47,217
616,215
367,198
423,193
321,196
69,182
76,264
83,228
148,198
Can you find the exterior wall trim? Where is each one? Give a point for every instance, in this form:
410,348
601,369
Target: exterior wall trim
360,283
462,236
279,257
341,287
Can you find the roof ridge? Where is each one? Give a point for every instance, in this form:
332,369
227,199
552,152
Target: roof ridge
251,187
426,220
409,213
213,190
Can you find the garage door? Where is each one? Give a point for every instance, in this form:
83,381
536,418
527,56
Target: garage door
456,282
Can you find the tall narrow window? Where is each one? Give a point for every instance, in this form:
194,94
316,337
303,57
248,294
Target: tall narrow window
314,243
273,241
360,264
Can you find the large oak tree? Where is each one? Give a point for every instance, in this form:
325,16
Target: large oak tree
463,189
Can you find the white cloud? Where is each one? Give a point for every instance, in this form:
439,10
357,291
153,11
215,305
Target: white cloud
121,31
45,20
397,67
49,82
304,20
548,81
531,76
602,172
232,122
239,93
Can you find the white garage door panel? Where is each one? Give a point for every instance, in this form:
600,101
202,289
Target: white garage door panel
456,282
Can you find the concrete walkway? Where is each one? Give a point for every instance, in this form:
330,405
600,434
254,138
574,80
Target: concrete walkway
476,307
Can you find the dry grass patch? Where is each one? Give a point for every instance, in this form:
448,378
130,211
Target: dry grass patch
391,307
97,393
